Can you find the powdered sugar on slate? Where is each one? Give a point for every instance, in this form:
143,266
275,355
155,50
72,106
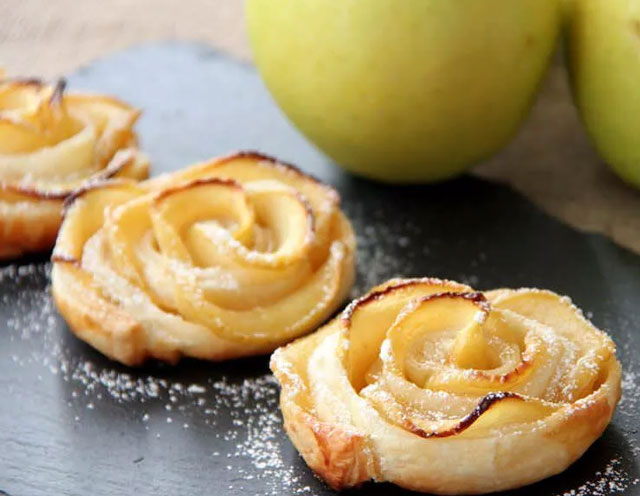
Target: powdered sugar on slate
613,479
242,415
255,432
378,244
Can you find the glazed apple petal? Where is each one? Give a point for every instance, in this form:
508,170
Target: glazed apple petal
50,162
589,348
249,167
367,320
220,269
236,254
279,321
87,221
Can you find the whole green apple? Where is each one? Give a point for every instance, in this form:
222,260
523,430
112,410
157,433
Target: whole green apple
404,90
603,48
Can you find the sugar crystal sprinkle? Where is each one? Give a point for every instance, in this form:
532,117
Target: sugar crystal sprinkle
254,435
252,443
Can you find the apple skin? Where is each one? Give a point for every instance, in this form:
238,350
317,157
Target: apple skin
404,90
603,51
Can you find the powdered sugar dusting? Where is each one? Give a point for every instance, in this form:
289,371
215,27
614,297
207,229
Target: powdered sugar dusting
630,394
242,416
613,479
378,247
239,417
387,250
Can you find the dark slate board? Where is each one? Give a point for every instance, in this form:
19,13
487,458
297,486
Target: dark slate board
74,423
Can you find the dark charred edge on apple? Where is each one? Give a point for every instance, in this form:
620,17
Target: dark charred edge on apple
376,295
20,82
478,299
234,184
58,92
485,404
255,155
127,157
475,297
69,194
503,379
58,88
206,181
23,81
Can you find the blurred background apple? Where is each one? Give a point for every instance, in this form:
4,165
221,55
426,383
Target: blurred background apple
404,91
603,48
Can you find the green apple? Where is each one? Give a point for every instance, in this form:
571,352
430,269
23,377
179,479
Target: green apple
603,49
404,90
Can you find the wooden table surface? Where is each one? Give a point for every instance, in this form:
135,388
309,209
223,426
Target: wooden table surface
551,161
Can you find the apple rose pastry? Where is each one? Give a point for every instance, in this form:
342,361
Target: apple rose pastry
438,388
228,258
50,144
